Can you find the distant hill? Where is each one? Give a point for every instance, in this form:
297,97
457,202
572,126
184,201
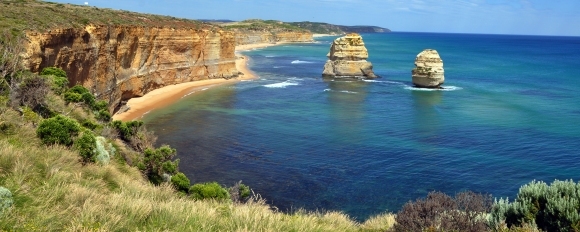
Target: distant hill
218,21
327,28
263,25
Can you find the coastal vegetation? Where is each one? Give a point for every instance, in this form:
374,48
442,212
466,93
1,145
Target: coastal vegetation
262,25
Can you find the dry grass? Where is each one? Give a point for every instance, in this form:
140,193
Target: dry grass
20,15
53,191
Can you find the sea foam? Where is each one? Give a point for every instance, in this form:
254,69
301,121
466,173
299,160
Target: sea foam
281,84
301,62
445,88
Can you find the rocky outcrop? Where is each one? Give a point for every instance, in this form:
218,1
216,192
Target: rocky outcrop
252,37
428,71
348,58
121,62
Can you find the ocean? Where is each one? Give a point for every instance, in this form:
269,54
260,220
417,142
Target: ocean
510,114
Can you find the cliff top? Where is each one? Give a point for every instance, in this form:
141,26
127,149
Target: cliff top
262,25
326,28
21,15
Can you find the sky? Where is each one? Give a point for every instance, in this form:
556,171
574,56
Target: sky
522,17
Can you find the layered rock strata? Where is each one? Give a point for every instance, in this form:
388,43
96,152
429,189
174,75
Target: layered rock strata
245,37
428,71
348,58
121,62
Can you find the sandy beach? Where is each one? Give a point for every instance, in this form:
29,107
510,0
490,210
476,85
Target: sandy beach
170,94
322,35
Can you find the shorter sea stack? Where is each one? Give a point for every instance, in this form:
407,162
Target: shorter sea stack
428,71
348,58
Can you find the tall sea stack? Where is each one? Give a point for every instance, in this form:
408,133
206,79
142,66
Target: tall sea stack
428,71
348,58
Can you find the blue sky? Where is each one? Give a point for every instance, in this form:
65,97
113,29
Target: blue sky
528,17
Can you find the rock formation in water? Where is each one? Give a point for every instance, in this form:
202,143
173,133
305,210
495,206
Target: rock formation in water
428,71
121,62
348,58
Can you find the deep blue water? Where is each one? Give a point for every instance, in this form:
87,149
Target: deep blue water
511,115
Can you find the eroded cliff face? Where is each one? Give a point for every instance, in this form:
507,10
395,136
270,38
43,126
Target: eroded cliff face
246,37
120,62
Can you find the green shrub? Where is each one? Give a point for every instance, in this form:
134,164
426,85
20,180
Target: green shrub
54,71
86,145
244,191
86,123
554,207
210,190
101,105
72,97
6,200
103,115
57,78
157,162
180,182
58,130
127,129
30,116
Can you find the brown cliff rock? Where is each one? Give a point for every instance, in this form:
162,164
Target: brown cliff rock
428,71
121,62
348,58
252,37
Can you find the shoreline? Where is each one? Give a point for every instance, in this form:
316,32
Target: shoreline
170,94
322,35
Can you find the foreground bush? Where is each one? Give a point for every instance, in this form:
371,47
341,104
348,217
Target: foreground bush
80,94
210,190
440,212
86,145
180,182
554,207
157,162
57,77
58,130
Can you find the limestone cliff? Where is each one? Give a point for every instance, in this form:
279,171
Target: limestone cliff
253,37
348,58
120,62
428,71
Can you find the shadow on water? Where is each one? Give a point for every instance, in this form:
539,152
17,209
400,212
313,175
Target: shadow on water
427,117
346,105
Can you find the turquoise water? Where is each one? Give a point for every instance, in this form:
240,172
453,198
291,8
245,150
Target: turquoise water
510,115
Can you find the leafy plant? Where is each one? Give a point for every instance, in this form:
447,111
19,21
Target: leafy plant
58,130
57,78
210,190
86,145
53,71
157,162
180,182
